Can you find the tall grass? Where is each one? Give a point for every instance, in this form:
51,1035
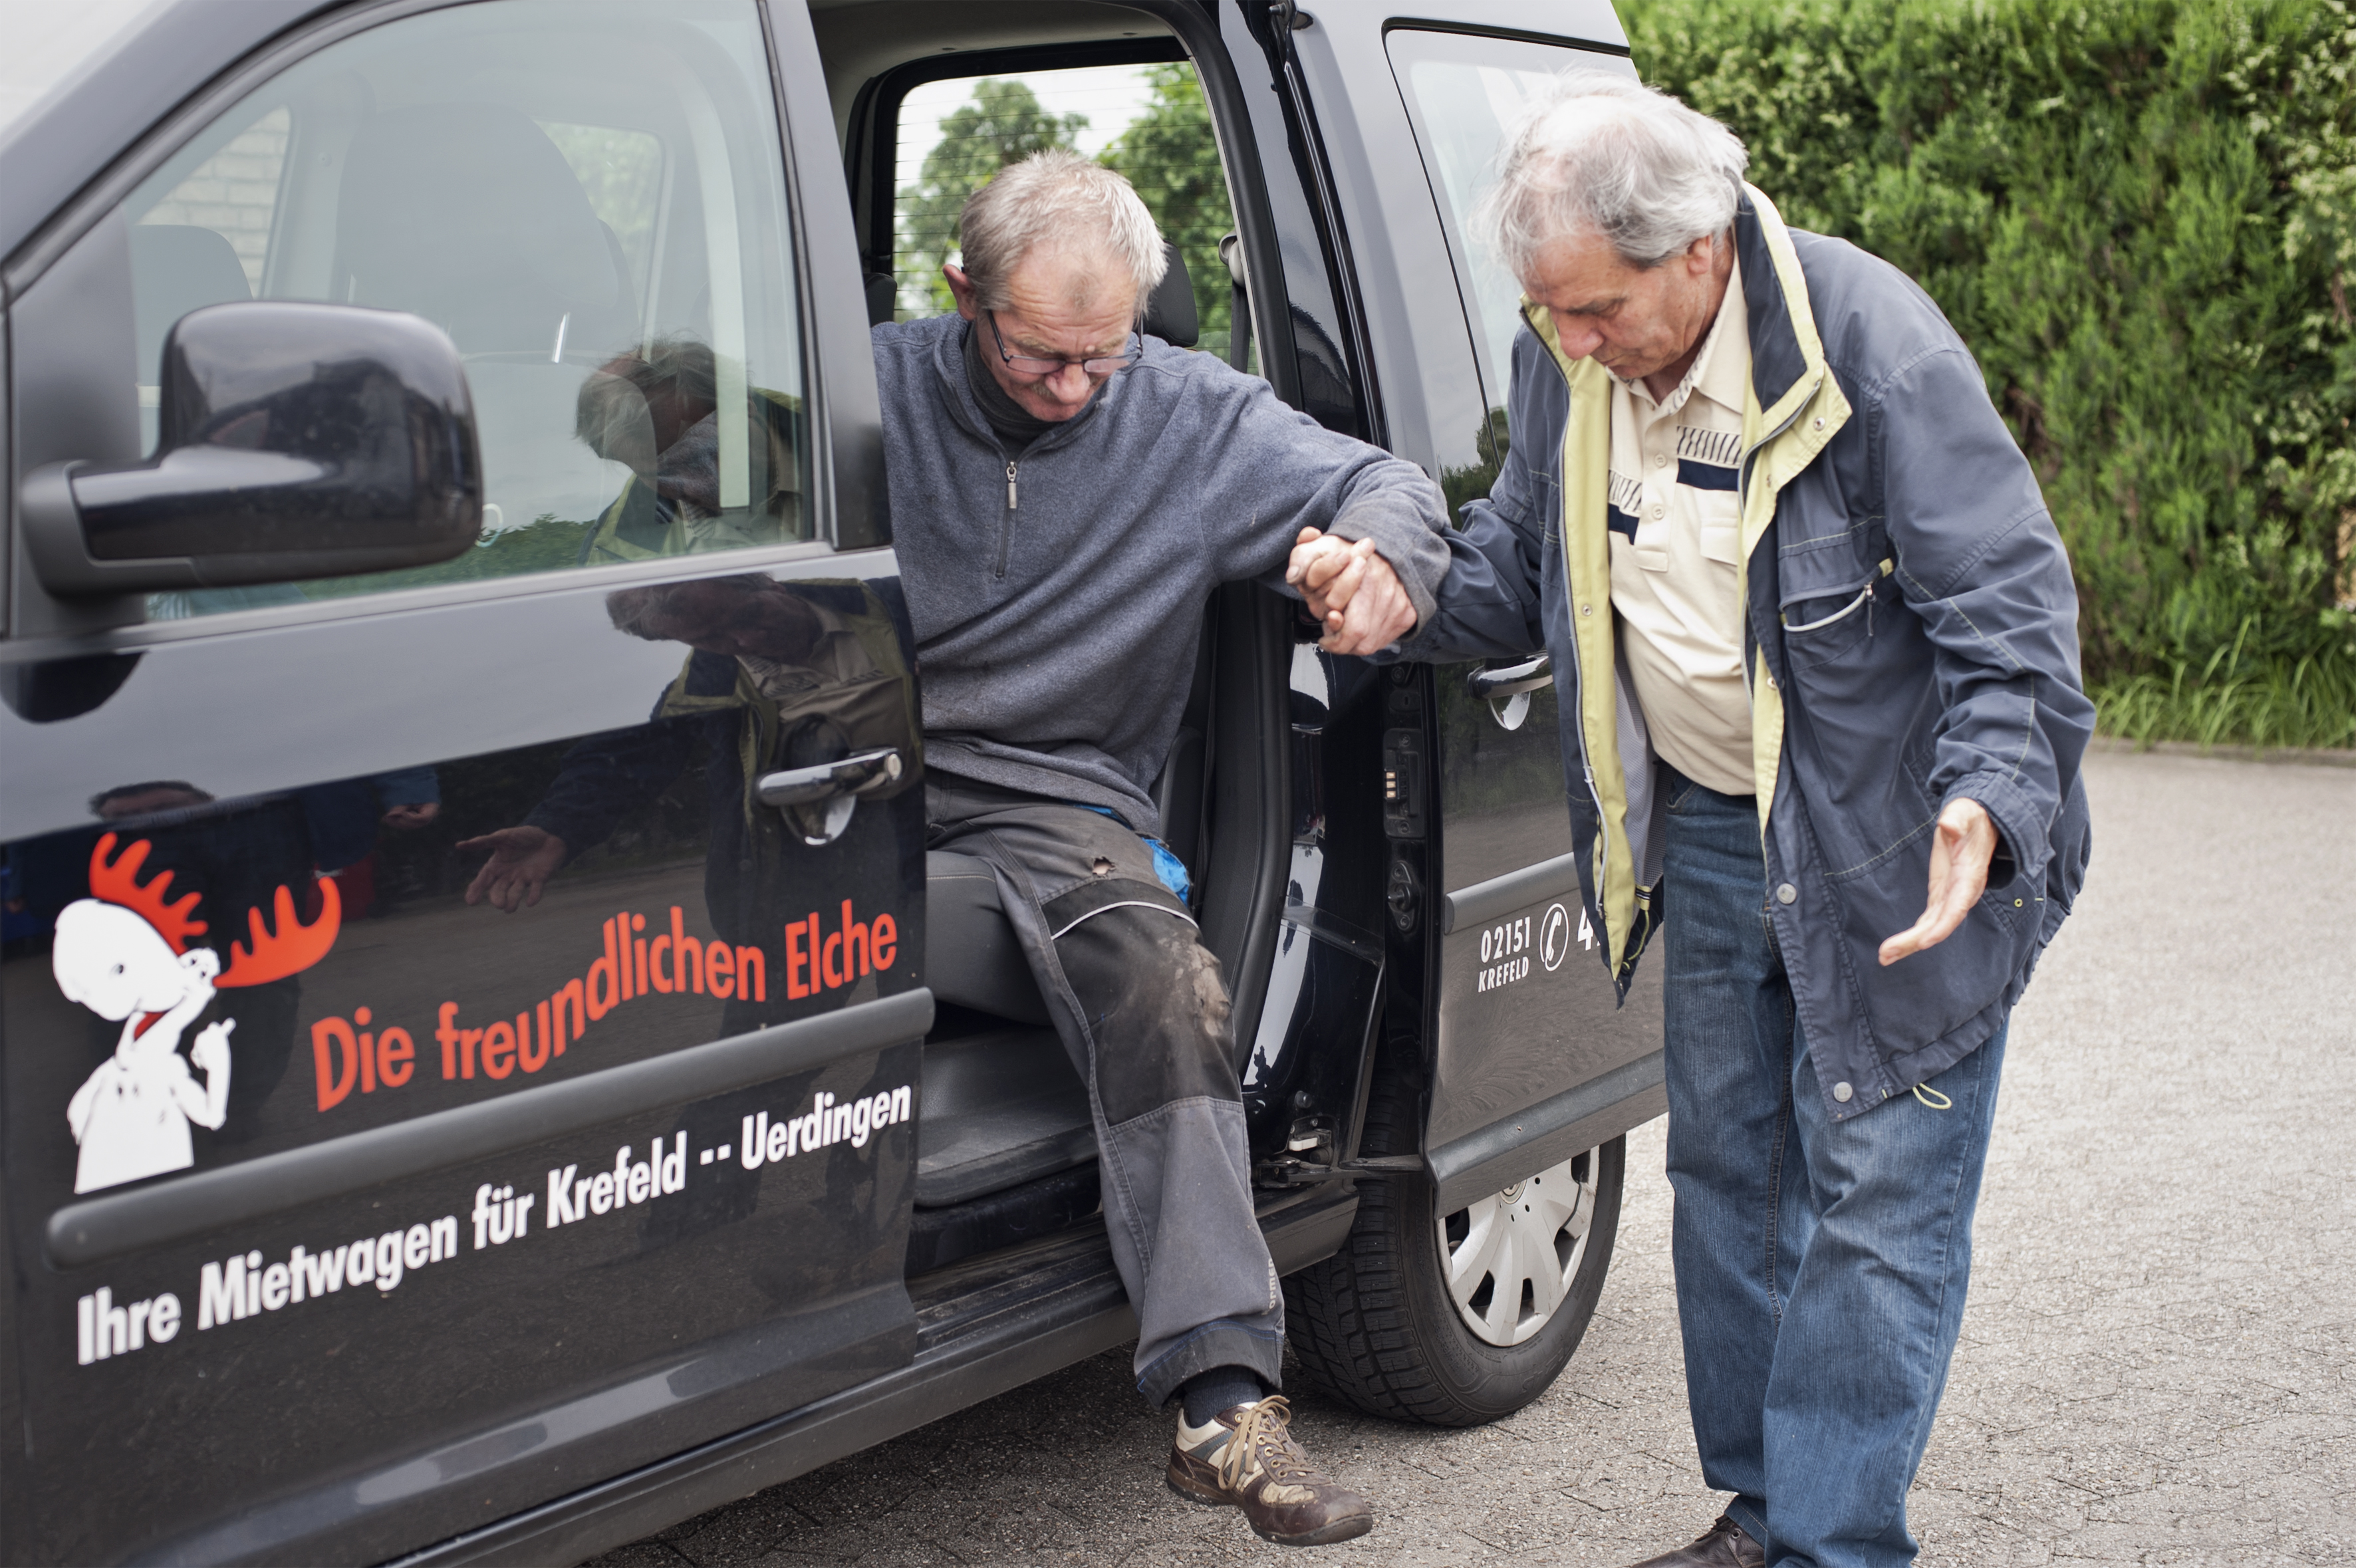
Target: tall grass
2231,700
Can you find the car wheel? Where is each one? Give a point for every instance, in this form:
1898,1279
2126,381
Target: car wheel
1459,1318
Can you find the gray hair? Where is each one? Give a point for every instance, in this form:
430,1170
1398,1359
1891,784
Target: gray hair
1056,198
1602,154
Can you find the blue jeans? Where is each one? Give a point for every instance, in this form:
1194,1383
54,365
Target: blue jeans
1820,1266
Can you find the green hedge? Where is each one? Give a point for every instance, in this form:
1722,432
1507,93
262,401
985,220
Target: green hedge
2141,214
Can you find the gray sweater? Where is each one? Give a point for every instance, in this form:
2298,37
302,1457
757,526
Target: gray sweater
1058,601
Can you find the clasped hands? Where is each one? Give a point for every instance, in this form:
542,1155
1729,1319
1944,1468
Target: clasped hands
1353,591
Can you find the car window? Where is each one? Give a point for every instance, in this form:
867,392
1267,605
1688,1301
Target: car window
1462,91
589,198
1149,122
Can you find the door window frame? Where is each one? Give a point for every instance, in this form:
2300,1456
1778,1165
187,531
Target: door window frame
170,134
880,148
1493,378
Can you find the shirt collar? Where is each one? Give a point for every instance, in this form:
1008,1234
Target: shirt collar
1724,369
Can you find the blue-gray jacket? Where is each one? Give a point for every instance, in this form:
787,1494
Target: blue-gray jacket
1910,638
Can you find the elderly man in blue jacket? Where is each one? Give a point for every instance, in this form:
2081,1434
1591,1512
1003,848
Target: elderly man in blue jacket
1818,640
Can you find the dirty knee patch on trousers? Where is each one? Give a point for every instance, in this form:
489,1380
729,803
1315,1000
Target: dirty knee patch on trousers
1156,997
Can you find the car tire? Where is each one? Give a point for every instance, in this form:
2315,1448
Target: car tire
1377,1325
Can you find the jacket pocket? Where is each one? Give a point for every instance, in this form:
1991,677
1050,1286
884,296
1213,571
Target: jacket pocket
1826,625
1842,613
1924,998
1824,620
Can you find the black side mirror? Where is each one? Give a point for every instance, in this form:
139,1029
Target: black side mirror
297,441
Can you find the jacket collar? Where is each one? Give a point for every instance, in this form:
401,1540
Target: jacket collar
1787,358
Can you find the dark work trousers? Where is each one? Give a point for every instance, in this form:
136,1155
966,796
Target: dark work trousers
1142,1009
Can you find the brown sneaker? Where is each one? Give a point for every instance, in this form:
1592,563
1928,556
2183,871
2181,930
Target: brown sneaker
1724,1545
1248,1459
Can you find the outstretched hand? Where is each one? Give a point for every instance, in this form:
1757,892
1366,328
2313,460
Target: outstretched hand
1353,591
1961,848
522,860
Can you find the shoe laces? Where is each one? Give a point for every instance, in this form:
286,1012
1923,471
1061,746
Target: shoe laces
1264,1434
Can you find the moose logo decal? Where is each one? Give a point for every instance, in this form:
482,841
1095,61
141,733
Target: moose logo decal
124,953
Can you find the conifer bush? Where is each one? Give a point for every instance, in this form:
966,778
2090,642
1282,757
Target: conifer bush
2141,215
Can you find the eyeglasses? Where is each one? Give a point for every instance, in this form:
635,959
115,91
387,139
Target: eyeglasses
1095,366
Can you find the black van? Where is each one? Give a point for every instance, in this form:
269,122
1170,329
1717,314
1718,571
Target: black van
361,360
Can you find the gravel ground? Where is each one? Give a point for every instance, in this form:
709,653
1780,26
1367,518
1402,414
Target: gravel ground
2154,1363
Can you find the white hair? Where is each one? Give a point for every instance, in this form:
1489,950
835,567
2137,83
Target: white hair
1056,198
1604,156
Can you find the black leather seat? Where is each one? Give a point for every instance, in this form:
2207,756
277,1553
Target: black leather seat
971,956
1170,313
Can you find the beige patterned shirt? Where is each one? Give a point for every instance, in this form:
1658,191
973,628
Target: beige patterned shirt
1676,528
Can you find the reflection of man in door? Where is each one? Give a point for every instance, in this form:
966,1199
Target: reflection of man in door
656,411
783,674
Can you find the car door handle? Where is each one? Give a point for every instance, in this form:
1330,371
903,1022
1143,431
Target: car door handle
1493,681
861,773
1507,688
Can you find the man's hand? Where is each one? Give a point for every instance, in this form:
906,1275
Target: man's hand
522,860
1961,848
1353,591
408,819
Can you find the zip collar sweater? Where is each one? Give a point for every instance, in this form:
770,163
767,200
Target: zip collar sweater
1057,593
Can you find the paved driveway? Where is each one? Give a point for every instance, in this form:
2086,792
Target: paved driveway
2155,1364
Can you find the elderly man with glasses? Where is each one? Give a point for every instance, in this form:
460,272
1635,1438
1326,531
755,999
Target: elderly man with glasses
1066,494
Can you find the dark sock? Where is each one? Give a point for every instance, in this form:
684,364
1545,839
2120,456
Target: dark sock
1208,1395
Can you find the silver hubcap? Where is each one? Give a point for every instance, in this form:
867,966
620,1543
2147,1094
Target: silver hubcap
1510,1258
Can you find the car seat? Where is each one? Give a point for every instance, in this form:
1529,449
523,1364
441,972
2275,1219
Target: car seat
176,268
467,215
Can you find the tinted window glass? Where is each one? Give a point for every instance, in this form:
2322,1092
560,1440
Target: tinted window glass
1462,91
589,198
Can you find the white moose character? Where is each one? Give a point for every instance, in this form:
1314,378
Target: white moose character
124,953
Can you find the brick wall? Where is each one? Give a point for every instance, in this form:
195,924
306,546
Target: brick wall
233,192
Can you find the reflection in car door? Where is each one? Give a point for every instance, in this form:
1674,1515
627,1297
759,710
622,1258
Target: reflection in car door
460,1030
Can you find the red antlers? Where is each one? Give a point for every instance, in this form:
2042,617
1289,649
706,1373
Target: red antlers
291,949
119,884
